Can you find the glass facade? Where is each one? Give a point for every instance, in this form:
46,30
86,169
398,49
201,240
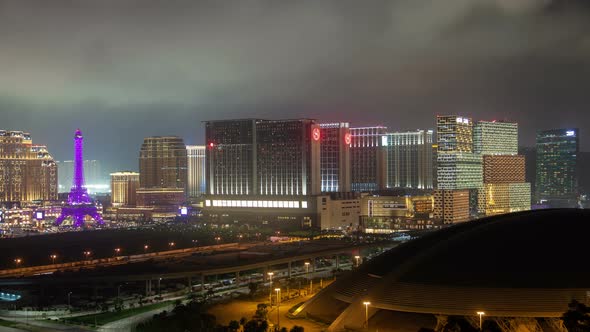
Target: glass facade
454,133
409,159
368,157
163,163
495,137
335,157
557,164
195,170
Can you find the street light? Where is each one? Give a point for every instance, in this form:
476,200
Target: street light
69,306
159,280
278,290
480,314
357,257
119,291
307,276
195,243
367,304
53,257
117,251
87,254
270,274
17,261
171,244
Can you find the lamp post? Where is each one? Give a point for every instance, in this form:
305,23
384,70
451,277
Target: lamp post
367,304
17,261
117,251
53,257
270,274
480,314
87,254
357,257
171,245
145,248
119,291
278,290
69,306
307,275
159,280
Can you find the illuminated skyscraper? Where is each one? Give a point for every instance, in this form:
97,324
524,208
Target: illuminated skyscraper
262,170
409,159
335,144
123,188
557,166
495,137
504,186
27,172
163,163
458,168
196,170
368,158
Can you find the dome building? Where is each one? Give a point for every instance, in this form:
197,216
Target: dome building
522,268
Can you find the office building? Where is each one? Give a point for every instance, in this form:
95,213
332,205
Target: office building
335,142
459,171
263,171
508,197
503,169
27,172
339,211
123,188
557,166
385,213
163,163
495,137
195,170
409,159
368,158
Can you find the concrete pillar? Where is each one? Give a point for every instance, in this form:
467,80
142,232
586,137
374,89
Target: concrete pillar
313,265
337,262
202,283
237,278
289,270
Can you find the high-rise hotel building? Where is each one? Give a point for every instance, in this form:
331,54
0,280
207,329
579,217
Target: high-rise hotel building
162,172
557,167
504,186
409,159
458,168
27,172
335,142
368,158
262,171
195,170
123,188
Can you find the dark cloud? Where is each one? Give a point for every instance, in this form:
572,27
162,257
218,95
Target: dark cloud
125,69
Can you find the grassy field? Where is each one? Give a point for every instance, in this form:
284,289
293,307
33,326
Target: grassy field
107,317
7,323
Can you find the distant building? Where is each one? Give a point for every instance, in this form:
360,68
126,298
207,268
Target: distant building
557,166
495,137
123,188
339,211
505,189
452,206
387,214
458,169
27,172
335,171
368,158
263,171
195,170
163,163
409,159
95,181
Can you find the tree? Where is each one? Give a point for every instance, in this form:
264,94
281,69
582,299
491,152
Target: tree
243,321
261,311
234,325
297,329
576,319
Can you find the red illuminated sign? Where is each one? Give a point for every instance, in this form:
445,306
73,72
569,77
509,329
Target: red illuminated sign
316,134
347,138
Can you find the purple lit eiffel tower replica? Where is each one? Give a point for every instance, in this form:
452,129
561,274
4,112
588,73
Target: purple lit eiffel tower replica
79,203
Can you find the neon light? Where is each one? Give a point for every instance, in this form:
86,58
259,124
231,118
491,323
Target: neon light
316,134
347,138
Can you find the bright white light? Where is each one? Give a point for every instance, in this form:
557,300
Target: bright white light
570,133
384,140
459,120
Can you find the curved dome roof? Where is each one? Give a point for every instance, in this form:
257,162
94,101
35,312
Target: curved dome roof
529,263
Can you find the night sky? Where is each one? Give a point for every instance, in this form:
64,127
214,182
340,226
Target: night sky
124,69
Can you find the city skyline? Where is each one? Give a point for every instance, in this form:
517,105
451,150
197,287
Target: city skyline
367,65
